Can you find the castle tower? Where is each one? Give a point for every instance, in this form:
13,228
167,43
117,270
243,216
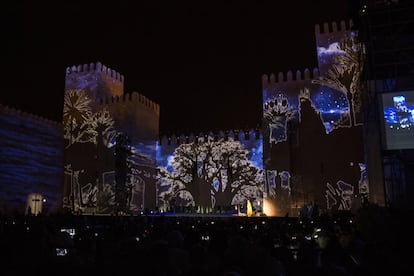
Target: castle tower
312,132
134,114
110,143
327,38
98,80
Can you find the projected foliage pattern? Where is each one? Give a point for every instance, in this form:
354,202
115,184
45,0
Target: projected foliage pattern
84,131
313,136
344,75
104,171
211,173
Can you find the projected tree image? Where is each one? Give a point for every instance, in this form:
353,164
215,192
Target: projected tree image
89,133
100,129
75,112
313,129
209,173
103,174
344,75
81,125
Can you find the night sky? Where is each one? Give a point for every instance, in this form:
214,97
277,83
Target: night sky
201,62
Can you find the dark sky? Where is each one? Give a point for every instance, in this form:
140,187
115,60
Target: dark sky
202,61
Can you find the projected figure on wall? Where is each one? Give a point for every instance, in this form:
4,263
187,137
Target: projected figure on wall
363,184
106,196
210,174
277,113
339,196
122,151
136,193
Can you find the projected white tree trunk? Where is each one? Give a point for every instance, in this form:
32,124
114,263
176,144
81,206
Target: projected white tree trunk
345,75
209,173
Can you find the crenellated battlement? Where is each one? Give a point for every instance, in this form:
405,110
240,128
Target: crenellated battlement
133,97
289,77
236,134
333,27
19,113
95,67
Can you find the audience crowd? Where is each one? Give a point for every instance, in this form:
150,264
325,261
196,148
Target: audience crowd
371,241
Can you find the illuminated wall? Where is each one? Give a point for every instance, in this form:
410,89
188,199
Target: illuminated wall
113,162
110,143
211,172
310,148
312,129
31,161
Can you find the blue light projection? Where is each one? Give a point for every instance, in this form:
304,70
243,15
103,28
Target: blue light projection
400,114
255,150
398,118
341,68
332,106
30,161
327,54
312,129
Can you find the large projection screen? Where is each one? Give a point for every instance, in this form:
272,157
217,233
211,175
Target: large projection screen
397,120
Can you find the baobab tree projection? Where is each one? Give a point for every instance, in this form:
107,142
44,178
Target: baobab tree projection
210,174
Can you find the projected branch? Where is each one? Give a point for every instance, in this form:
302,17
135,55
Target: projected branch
345,75
76,110
99,128
210,173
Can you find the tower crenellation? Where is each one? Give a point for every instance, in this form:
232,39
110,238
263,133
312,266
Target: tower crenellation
290,77
20,113
134,98
294,132
333,27
97,79
236,134
94,67
306,75
328,37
